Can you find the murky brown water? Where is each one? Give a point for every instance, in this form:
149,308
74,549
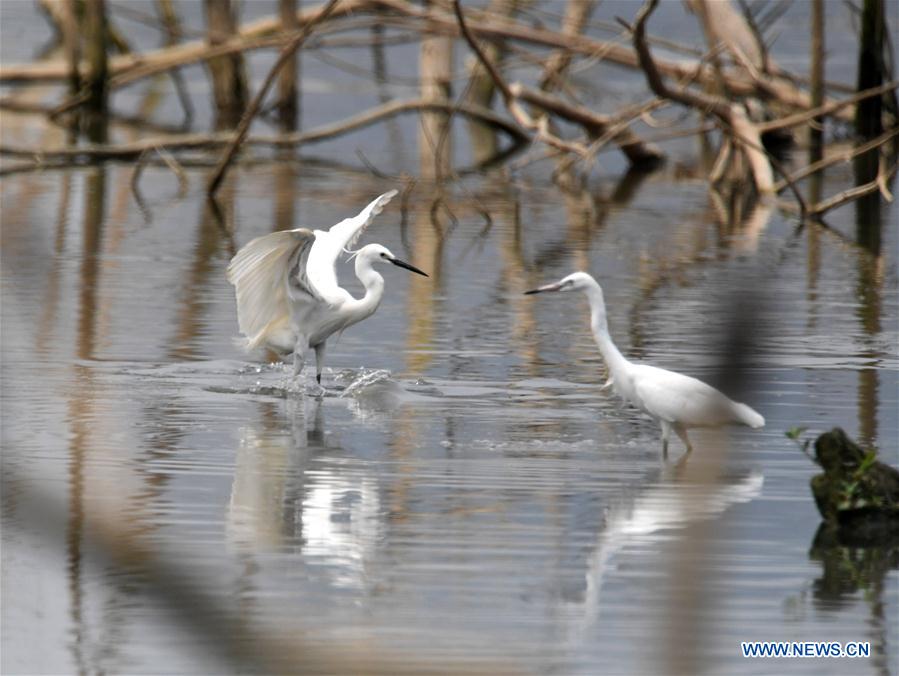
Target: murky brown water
465,496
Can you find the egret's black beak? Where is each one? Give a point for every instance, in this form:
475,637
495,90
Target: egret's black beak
541,289
411,268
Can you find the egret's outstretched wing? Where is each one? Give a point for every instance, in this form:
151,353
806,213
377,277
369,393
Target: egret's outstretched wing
328,245
269,275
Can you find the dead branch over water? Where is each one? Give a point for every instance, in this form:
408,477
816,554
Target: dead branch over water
213,140
729,85
244,126
732,115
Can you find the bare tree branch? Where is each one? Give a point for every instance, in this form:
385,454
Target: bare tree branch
826,109
595,125
488,27
261,33
498,80
732,115
518,113
219,173
837,158
203,141
853,193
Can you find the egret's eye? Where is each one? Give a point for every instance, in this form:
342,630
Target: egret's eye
383,255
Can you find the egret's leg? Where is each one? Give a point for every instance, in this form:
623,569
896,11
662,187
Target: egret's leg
608,384
666,434
681,432
299,356
299,361
319,361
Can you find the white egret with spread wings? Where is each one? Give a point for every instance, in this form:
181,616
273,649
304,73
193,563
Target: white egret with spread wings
288,298
676,401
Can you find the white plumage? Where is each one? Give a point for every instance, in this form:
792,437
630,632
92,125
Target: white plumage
288,297
676,401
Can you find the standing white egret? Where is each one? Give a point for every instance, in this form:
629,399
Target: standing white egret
676,401
288,298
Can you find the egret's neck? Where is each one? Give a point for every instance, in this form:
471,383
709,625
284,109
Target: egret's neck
600,326
374,288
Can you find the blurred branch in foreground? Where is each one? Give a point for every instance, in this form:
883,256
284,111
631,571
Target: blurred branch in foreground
250,649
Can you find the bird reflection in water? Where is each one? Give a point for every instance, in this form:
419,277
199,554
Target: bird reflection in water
295,489
649,517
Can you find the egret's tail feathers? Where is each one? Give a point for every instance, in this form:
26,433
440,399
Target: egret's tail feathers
747,416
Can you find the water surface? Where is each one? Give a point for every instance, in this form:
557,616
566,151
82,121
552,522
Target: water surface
465,496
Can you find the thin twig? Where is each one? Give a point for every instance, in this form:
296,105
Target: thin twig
882,178
852,193
372,168
219,173
183,97
254,35
757,35
205,141
175,168
404,215
731,115
596,125
498,80
135,179
621,129
139,167
541,127
115,117
836,158
826,109
721,161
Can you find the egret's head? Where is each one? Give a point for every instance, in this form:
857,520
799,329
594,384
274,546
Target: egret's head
376,253
576,281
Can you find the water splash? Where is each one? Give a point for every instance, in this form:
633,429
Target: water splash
365,379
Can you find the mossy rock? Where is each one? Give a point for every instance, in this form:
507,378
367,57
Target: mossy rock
855,490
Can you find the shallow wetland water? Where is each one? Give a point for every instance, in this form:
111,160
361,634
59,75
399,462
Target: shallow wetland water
465,494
